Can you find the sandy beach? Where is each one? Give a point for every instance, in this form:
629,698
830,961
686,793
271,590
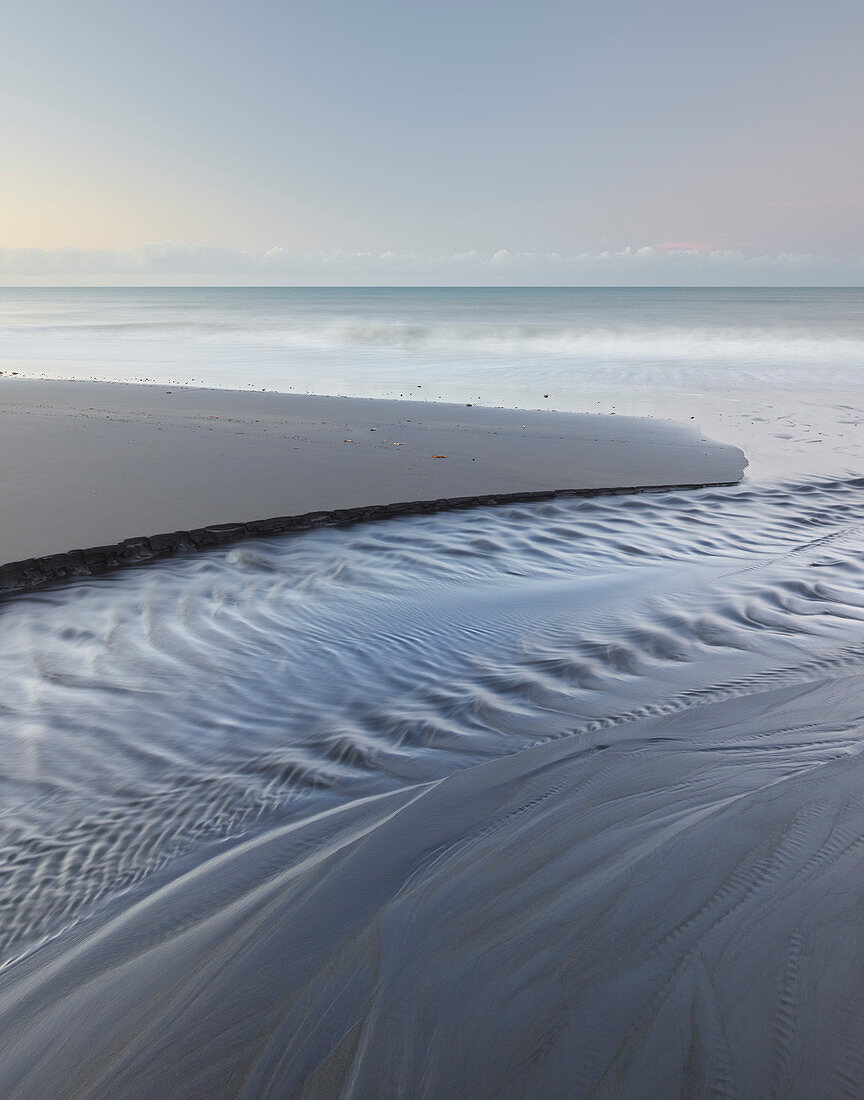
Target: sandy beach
546,786
432,551
128,471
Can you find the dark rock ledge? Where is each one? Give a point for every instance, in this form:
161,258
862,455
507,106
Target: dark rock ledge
33,572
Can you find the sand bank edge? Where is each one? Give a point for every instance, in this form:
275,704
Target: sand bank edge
31,573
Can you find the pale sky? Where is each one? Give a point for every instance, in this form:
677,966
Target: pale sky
390,141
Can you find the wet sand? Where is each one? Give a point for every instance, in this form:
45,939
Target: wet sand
87,465
554,800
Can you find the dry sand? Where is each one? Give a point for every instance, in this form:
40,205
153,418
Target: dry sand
86,465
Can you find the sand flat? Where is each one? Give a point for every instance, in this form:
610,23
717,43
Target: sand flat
89,464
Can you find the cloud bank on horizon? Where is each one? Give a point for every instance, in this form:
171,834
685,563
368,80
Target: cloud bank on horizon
184,264
465,141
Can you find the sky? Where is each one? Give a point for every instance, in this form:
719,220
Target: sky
620,142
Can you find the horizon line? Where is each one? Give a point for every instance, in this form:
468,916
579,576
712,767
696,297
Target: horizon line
430,286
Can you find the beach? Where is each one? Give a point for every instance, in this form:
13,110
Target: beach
431,551
547,785
101,473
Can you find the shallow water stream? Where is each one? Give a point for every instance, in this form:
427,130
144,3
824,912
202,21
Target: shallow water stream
559,799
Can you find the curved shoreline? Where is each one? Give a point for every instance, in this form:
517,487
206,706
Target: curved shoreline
84,464
32,573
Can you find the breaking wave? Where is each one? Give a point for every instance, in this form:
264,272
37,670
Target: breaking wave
343,339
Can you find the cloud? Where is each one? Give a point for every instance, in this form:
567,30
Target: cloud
177,262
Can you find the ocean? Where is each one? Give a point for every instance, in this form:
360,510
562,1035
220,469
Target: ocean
549,799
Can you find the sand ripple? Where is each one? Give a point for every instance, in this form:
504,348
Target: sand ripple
545,800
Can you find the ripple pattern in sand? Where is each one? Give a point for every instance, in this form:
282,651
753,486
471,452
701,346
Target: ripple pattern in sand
661,659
